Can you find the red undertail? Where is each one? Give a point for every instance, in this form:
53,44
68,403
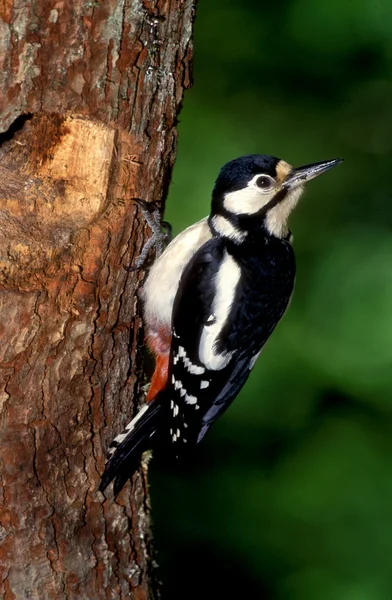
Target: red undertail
159,344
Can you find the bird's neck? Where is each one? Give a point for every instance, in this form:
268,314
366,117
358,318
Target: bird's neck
249,229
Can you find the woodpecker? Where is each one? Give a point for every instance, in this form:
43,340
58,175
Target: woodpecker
211,301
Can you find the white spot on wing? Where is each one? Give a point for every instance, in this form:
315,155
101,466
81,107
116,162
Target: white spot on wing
189,399
252,362
204,384
193,369
178,386
226,282
188,364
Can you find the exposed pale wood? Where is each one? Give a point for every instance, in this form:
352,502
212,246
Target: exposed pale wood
100,84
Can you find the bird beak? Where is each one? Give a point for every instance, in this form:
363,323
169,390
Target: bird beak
301,175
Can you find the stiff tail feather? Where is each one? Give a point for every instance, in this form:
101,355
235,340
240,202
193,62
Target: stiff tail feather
126,449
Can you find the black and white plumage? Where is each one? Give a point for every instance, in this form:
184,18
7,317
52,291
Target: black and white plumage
211,301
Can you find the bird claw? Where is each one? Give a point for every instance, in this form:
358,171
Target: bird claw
159,239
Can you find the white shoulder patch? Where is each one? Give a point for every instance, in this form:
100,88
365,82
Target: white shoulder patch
226,282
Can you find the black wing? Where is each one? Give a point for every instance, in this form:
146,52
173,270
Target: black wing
199,394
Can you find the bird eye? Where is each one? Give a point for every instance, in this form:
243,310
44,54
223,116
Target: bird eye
264,182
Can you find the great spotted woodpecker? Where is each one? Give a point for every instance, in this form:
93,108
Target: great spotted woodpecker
211,301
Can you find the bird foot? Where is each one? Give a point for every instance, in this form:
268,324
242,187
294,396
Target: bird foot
161,233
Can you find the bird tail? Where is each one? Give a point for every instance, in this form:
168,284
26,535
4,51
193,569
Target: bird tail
126,449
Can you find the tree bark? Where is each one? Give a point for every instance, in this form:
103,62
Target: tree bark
89,94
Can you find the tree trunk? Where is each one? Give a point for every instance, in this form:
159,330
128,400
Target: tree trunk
89,94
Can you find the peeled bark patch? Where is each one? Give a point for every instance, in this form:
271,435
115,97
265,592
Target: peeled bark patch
89,95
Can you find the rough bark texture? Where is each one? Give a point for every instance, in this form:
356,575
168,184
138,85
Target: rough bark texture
89,93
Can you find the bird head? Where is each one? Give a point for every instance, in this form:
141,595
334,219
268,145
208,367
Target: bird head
259,191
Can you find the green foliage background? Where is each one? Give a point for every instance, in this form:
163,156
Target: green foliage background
291,494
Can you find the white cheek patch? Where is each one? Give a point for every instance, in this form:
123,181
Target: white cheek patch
249,200
226,282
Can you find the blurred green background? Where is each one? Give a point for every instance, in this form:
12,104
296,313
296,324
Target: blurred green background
290,496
